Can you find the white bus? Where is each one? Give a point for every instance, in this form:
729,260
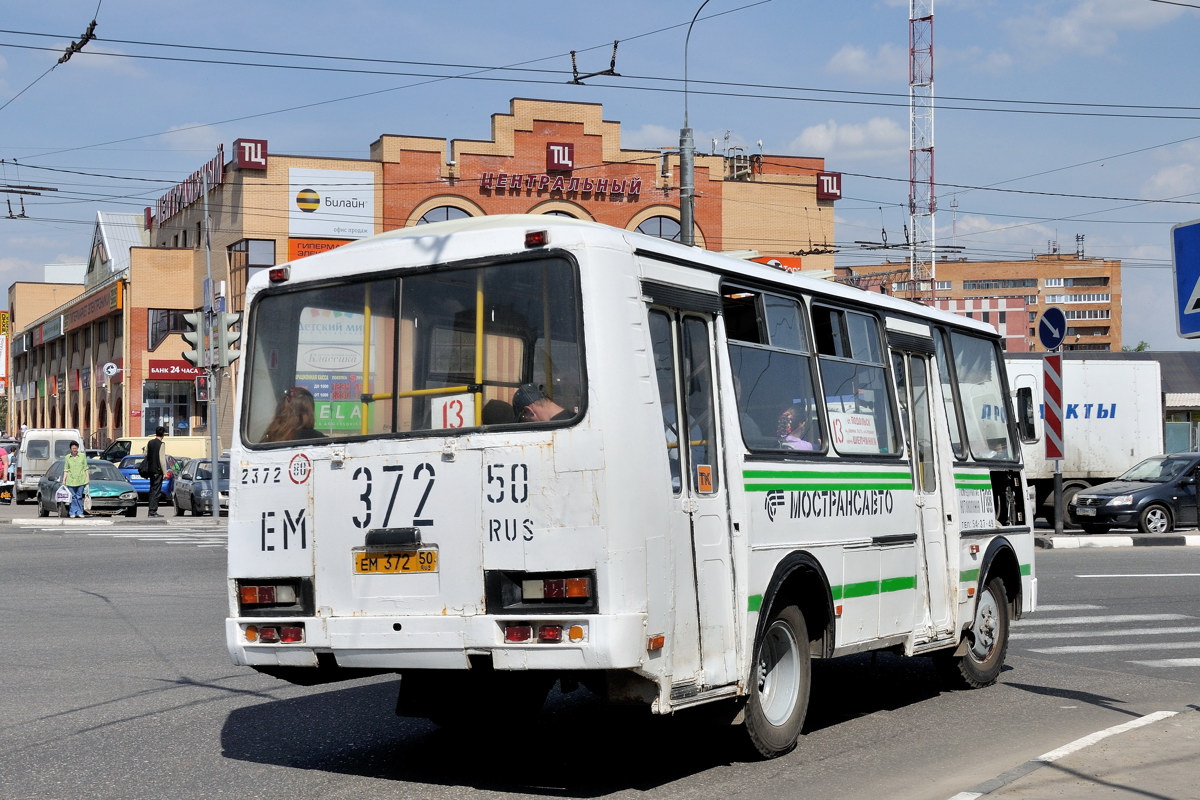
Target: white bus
498,452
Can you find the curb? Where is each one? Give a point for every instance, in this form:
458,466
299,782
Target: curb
1141,540
67,522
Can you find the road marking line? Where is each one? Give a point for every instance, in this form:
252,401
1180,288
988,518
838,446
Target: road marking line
1145,575
1054,755
1170,662
1090,634
1090,739
1116,648
1109,618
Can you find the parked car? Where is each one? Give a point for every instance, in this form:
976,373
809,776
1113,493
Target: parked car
1155,496
129,468
109,490
193,488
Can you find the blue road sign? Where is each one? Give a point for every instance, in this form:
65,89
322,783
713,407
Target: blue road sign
1185,258
1052,327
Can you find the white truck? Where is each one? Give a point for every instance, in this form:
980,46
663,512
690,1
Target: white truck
1112,419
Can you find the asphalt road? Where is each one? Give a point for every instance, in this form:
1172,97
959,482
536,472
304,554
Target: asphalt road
115,683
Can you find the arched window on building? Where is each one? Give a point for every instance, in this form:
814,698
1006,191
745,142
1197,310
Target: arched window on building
442,214
661,227
560,213
102,415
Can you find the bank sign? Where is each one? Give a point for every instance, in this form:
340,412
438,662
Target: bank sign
330,204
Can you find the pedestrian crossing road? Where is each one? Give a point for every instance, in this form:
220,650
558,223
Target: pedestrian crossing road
198,535
1161,641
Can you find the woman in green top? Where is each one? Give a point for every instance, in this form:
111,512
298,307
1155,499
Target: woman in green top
75,477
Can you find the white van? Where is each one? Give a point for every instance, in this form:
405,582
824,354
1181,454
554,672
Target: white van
40,447
177,447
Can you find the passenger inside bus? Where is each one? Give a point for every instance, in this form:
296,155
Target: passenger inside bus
530,404
795,429
295,417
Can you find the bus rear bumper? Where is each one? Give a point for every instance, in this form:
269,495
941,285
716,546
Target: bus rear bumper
437,642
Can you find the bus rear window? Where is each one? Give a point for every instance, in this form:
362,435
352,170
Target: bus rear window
430,352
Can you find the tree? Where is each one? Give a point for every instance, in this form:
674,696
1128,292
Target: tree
1141,348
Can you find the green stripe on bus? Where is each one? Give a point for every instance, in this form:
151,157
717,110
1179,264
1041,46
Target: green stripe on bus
1027,569
754,603
816,481
971,480
968,576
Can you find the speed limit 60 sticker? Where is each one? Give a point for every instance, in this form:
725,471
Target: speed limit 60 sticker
299,468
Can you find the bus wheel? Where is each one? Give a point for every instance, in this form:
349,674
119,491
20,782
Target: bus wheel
987,638
779,684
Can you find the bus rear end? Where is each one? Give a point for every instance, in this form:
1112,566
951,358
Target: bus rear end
402,498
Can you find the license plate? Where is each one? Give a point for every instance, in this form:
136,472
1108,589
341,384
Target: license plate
395,562
1084,511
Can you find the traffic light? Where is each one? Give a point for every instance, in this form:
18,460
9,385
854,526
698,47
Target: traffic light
194,336
202,395
227,337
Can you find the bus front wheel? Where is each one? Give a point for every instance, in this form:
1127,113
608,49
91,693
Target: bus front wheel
779,684
987,641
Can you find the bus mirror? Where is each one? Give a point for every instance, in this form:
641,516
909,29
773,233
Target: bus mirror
1025,427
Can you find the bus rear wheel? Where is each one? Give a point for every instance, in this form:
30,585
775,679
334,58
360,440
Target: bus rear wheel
987,643
779,684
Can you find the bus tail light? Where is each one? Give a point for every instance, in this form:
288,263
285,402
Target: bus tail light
556,588
518,632
543,593
279,274
267,595
548,634
275,634
543,633
537,238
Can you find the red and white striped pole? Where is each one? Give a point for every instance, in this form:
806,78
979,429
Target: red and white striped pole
1052,394
1052,424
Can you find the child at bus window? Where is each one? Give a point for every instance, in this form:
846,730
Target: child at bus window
794,429
531,404
294,417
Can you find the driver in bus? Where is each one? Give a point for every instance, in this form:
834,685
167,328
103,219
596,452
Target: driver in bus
531,404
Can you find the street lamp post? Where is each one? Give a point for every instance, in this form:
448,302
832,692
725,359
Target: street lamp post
687,154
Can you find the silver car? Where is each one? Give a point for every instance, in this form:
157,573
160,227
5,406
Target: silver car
194,490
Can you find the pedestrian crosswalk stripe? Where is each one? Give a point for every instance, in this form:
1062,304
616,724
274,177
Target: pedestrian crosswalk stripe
1115,648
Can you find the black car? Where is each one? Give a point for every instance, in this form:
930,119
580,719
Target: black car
1156,496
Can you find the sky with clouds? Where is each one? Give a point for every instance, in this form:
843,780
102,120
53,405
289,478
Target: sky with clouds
1054,119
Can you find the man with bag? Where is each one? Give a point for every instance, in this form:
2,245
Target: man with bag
75,478
154,467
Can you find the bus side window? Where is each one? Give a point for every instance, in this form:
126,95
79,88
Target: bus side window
854,380
771,358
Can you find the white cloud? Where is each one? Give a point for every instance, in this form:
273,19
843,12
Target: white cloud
649,137
1091,26
888,61
1179,176
876,138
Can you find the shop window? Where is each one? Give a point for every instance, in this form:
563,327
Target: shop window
442,214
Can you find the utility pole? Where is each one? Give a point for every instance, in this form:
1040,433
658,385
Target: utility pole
687,154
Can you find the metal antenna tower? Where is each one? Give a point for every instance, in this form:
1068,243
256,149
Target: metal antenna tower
921,201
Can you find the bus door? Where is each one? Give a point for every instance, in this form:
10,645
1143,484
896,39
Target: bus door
932,494
699,524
